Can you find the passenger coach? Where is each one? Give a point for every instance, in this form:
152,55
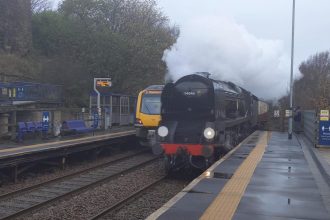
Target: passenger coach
148,114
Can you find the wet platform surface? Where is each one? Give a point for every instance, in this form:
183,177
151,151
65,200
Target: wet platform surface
37,139
325,153
282,186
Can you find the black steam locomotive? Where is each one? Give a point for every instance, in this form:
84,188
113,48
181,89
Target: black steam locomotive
202,118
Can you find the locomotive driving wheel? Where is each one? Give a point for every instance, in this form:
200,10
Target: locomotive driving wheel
168,163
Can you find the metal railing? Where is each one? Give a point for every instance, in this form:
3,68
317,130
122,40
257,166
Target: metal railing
310,125
26,91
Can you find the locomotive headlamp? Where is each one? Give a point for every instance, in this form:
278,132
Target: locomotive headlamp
162,131
209,133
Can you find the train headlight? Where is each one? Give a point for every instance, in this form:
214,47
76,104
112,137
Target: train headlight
162,131
209,133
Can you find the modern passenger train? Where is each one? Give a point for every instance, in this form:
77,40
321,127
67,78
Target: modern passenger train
148,114
202,118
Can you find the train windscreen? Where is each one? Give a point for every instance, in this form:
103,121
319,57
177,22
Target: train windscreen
151,104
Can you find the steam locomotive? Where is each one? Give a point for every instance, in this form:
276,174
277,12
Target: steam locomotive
203,118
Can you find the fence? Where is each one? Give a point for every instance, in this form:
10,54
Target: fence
310,126
26,91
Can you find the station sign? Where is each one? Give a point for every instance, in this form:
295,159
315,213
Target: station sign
45,121
324,115
95,120
288,113
276,113
324,133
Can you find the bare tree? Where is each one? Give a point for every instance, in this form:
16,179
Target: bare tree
38,6
313,88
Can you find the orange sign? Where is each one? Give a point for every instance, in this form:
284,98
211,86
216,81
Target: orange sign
103,83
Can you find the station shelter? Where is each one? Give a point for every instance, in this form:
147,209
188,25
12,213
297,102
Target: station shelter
115,109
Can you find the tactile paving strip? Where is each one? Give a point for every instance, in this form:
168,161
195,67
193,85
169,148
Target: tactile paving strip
226,203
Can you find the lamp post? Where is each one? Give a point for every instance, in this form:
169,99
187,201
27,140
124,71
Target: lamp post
291,76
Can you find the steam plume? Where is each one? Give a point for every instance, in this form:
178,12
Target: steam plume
227,50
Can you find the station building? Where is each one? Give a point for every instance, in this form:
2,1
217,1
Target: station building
26,101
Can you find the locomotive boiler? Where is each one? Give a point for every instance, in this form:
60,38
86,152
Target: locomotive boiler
203,118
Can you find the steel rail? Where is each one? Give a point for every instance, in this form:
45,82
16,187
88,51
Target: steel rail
79,189
126,199
26,189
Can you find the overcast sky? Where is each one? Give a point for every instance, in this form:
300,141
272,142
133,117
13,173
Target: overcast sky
259,60
270,19
247,42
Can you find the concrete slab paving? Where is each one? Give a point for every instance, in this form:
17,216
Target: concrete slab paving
196,201
283,186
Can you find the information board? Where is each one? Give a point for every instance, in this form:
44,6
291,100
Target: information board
324,133
103,82
288,113
101,85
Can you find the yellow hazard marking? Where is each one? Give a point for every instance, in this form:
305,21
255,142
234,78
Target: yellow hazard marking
73,141
226,203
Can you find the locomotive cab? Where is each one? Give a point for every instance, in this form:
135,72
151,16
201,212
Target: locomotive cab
201,118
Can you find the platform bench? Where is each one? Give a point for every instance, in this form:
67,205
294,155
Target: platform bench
29,128
74,126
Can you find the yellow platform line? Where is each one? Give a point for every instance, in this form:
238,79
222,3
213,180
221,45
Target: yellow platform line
226,203
73,141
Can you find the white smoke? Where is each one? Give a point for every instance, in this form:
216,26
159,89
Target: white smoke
229,52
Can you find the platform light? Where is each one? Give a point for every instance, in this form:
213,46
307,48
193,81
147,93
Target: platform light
209,133
291,72
162,131
208,174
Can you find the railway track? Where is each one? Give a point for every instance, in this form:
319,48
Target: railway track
25,200
127,199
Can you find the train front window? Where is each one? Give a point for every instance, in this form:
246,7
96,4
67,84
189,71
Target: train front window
151,104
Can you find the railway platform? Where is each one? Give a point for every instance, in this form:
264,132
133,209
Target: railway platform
20,157
267,176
